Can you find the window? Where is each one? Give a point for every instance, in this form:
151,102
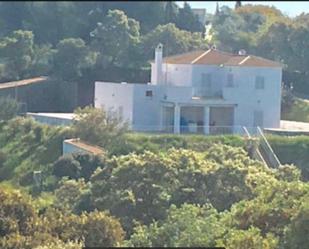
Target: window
258,118
205,87
149,93
230,80
259,82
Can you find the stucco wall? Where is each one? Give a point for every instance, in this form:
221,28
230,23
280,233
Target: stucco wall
177,75
68,148
249,99
112,96
145,111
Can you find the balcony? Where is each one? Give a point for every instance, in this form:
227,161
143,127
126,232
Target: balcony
207,93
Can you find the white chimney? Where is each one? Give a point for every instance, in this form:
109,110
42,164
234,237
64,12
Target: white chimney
156,72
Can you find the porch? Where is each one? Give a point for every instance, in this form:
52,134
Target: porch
200,119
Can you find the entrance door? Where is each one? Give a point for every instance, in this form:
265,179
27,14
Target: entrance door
221,120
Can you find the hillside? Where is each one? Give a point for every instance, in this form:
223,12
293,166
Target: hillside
205,188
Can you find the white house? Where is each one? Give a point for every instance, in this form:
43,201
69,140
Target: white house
200,91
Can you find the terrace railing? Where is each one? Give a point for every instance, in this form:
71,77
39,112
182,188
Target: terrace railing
262,152
266,151
195,129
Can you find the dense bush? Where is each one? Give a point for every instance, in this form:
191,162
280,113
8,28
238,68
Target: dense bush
198,226
77,165
9,108
21,227
142,187
66,165
138,142
296,234
98,127
292,150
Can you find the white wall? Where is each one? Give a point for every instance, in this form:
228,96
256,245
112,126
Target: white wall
174,74
249,99
147,110
217,75
113,96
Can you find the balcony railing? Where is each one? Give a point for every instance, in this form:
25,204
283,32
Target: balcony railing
197,129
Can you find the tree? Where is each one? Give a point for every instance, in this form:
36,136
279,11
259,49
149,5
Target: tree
71,58
16,52
95,229
186,226
98,127
61,245
171,12
174,40
296,233
99,229
9,108
66,165
42,63
68,193
238,4
135,185
154,10
187,20
114,37
248,239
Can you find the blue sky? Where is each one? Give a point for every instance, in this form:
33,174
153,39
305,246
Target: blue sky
291,8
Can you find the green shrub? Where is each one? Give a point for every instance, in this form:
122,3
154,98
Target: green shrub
296,234
138,142
292,150
66,165
9,108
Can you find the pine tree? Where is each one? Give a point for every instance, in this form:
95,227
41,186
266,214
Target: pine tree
238,4
171,12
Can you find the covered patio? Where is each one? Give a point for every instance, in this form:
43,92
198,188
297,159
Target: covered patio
200,119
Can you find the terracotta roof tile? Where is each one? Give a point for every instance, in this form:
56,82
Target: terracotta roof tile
96,150
185,58
216,57
22,82
213,57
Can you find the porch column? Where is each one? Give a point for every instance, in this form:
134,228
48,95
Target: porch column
206,119
177,119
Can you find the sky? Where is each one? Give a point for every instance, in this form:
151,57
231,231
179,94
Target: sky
290,8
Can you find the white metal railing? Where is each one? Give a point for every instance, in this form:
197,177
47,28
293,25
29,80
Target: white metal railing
263,152
269,155
256,153
198,129
191,129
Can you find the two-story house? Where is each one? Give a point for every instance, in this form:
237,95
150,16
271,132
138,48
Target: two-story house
200,91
